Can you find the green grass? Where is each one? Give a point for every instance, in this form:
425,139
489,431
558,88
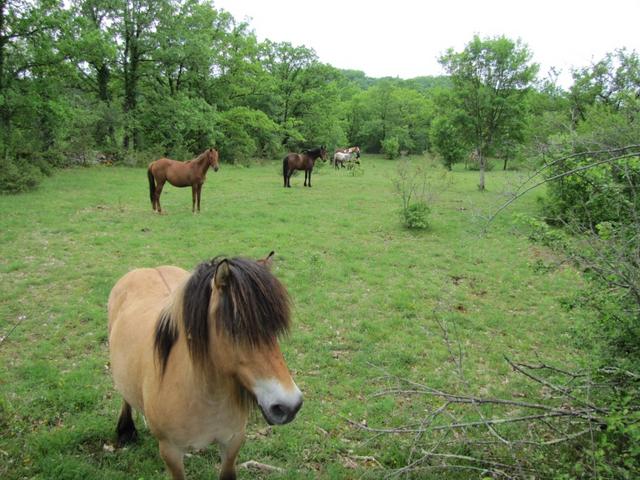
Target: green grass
366,292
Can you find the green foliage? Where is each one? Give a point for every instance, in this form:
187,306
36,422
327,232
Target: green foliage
416,215
413,187
391,147
598,193
247,134
447,141
18,176
491,79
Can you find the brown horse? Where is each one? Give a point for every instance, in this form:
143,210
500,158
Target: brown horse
302,161
194,353
181,174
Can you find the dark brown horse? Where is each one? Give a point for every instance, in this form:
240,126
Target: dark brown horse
181,174
302,161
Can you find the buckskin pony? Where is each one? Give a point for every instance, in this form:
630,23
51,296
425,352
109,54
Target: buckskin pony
194,352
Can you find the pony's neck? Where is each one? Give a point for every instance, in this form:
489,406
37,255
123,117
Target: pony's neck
203,163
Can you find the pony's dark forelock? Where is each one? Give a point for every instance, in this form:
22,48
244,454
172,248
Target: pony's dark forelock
253,309
253,306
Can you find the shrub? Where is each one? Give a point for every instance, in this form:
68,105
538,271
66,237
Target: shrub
446,141
414,190
416,215
18,176
391,147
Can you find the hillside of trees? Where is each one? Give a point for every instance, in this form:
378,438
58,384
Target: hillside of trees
130,80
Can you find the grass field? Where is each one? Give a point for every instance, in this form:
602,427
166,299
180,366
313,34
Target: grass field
368,297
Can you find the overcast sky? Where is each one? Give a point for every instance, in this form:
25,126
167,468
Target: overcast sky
404,38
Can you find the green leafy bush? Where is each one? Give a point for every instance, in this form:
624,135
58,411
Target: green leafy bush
391,147
416,215
18,176
446,141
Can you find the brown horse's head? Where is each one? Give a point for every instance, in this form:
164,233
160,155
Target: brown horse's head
323,153
233,311
212,158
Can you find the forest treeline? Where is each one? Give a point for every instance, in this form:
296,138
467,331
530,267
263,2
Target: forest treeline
130,80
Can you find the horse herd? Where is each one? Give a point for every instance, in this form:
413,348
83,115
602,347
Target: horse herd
194,172
194,352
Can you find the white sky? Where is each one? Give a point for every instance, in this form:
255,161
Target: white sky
404,38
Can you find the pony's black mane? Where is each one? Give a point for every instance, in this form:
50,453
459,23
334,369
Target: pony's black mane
313,151
252,309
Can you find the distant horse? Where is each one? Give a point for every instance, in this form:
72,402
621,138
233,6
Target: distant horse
349,150
181,174
194,352
302,161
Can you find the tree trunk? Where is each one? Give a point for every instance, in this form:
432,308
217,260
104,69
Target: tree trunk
5,121
504,166
482,163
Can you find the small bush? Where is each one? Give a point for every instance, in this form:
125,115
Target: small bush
415,191
391,147
18,176
416,215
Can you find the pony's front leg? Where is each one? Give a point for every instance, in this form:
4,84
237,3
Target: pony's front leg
173,458
228,453
309,185
198,195
194,188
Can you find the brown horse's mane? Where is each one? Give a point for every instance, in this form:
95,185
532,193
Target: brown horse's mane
199,157
313,151
253,309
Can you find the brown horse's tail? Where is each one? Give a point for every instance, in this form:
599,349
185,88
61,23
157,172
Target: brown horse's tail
284,167
152,184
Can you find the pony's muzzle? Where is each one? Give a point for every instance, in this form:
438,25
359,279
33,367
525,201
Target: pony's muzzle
279,414
278,406
215,169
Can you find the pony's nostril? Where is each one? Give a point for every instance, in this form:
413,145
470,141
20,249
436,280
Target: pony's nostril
278,411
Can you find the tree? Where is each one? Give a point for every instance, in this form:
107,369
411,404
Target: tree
491,78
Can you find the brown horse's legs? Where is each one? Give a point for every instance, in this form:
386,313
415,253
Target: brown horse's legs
126,429
198,194
309,185
194,189
229,452
173,458
159,187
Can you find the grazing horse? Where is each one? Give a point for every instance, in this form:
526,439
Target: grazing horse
194,352
349,150
302,161
181,174
340,158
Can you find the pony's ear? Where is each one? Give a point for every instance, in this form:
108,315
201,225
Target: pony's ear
221,277
268,260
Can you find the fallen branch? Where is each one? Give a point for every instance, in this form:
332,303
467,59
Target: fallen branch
253,465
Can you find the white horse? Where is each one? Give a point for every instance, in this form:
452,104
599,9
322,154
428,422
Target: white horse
343,155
